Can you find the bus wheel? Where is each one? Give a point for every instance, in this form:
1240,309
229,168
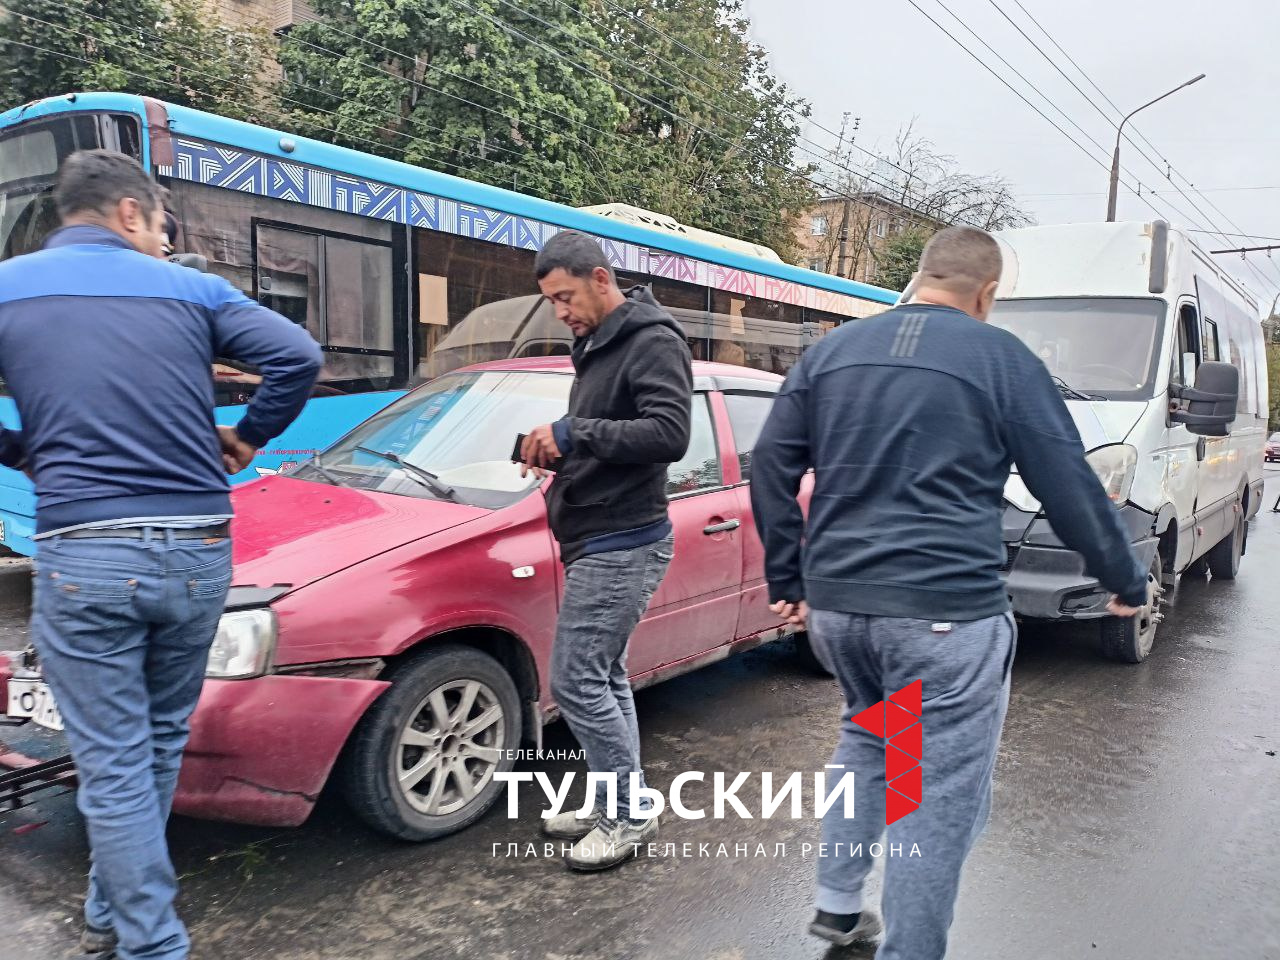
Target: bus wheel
1224,559
422,761
1129,639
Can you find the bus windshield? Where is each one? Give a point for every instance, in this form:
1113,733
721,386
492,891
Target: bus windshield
1107,347
30,155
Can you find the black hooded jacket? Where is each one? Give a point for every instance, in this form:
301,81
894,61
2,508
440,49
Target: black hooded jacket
628,421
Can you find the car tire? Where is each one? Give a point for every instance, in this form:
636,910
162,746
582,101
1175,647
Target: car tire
1224,558
422,728
1130,639
805,655
1197,568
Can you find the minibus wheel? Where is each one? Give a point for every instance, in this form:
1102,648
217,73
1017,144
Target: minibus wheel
1224,558
1129,639
421,763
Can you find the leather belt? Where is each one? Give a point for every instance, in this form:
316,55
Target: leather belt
140,533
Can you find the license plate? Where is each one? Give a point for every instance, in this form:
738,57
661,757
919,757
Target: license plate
34,699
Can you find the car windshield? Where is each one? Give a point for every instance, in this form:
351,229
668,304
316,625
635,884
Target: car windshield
460,428
1107,347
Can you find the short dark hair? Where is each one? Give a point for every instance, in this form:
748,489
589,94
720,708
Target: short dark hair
575,253
96,180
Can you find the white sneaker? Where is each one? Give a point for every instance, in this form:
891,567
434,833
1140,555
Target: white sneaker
570,826
611,843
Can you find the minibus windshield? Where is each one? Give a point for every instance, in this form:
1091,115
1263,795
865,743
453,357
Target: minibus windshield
1107,347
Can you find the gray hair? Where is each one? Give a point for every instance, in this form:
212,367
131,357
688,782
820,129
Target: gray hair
575,253
960,259
96,180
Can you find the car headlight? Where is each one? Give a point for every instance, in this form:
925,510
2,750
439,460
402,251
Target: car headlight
243,645
1115,466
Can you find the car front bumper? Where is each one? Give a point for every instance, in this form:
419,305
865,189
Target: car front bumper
260,750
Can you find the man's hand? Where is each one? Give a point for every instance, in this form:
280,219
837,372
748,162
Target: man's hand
539,448
1118,609
236,454
795,613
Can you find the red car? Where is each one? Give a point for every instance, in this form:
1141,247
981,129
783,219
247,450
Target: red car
394,603
1273,447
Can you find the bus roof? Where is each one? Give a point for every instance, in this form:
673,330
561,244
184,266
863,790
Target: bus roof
185,121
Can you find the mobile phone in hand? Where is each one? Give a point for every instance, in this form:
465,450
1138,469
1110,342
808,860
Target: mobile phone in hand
515,452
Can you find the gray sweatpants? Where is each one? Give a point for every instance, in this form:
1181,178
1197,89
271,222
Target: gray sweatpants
965,670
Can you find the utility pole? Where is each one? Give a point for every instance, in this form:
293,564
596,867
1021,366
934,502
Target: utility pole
1115,157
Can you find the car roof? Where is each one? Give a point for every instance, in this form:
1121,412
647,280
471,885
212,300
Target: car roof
707,375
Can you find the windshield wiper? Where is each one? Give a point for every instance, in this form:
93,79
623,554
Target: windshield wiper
323,471
1070,392
424,477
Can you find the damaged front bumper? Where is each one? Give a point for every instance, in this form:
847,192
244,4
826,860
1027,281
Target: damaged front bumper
1047,581
260,750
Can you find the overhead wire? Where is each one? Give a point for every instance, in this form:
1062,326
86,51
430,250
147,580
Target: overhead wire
640,98
1169,171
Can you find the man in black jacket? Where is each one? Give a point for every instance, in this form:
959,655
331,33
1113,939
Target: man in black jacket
628,421
910,420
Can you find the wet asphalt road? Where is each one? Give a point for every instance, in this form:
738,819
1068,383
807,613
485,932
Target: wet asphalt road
1136,814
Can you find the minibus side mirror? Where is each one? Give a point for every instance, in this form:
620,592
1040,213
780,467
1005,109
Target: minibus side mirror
1209,408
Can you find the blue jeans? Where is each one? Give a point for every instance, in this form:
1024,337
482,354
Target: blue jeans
123,630
605,595
965,669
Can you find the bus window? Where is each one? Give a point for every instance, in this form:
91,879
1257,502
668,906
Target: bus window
479,301
339,288
751,332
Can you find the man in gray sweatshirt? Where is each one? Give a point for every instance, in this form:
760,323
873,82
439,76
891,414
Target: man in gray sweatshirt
910,421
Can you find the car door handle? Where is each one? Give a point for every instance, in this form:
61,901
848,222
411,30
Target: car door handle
722,527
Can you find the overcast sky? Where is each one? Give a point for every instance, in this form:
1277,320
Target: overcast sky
887,64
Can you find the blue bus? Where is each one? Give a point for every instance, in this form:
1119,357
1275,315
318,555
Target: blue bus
400,273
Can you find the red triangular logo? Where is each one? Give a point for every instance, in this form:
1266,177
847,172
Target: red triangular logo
871,719
896,720
910,783
910,741
896,806
896,763
909,697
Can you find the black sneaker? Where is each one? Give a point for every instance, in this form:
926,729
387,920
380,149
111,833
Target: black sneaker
98,941
845,929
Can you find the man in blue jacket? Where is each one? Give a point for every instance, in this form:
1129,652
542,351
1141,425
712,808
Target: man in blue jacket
106,348
911,420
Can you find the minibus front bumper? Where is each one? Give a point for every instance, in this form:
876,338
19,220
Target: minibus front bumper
1047,581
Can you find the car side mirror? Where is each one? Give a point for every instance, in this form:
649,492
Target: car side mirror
1210,406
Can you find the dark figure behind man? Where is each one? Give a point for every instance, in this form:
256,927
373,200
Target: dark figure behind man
628,421
107,350
911,420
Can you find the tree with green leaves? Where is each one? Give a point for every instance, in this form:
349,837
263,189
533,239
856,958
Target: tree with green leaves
473,88
176,50
663,104
711,136
899,258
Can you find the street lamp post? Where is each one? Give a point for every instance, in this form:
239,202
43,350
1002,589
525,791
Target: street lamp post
1115,157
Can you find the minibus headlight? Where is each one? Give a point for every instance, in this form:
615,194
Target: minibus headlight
243,645
1115,466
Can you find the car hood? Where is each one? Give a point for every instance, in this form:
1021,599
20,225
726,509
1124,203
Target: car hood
1100,422
296,532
